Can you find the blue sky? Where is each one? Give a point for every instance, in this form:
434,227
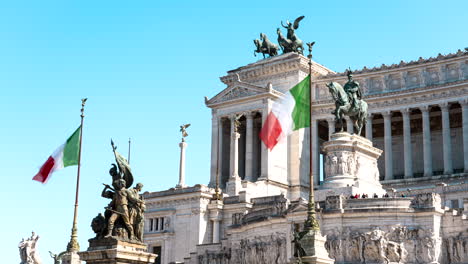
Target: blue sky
145,67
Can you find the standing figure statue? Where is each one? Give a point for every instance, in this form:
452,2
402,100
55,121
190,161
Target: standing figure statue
137,208
119,209
348,101
299,251
27,249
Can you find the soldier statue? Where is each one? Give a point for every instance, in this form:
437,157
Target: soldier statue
120,198
353,90
124,217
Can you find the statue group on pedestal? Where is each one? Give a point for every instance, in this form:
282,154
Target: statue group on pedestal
348,101
290,43
27,250
123,217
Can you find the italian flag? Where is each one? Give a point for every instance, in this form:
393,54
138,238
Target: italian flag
291,112
66,155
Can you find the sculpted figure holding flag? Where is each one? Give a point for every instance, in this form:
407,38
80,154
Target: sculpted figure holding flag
123,218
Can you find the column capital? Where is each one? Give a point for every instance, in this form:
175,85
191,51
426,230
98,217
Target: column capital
463,102
386,114
248,115
424,108
444,106
233,116
331,120
405,111
370,116
235,135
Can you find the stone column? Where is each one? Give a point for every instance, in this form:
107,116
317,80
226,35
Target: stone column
216,208
349,125
388,145
249,147
264,169
316,153
369,127
181,183
447,143
214,148
427,141
234,165
331,127
220,150
464,105
408,154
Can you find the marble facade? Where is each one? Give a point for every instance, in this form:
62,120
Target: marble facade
418,116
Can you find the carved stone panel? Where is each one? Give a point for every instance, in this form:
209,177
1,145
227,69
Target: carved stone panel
399,245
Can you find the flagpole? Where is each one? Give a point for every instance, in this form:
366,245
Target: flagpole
129,142
73,245
311,223
217,195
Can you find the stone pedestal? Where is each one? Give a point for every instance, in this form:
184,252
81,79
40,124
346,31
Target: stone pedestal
71,258
215,208
114,251
351,163
233,186
313,244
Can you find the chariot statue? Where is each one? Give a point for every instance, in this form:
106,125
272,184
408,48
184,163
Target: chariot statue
291,43
348,101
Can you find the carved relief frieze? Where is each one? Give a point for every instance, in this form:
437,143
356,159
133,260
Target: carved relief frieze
399,245
235,93
253,250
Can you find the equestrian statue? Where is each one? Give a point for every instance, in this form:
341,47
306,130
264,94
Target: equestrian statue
348,101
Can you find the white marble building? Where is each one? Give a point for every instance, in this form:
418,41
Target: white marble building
418,116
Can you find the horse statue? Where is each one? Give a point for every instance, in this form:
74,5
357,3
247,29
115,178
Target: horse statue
265,46
344,106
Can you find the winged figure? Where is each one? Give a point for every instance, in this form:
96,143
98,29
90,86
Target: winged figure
291,43
183,130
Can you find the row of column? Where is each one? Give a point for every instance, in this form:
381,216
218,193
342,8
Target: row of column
427,151
217,147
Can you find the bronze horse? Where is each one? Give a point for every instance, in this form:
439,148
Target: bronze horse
265,46
343,107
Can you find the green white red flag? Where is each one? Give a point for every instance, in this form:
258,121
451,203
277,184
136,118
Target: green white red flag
64,156
291,112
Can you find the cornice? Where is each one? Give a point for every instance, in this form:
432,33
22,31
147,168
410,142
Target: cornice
404,99
274,65
397,67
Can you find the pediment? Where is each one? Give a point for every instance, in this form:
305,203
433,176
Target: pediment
240,90
298,206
